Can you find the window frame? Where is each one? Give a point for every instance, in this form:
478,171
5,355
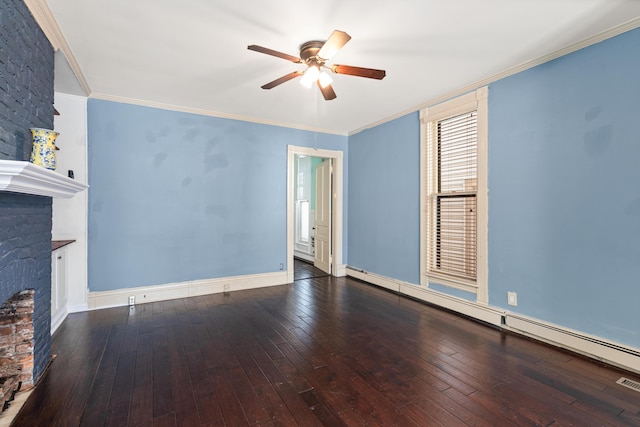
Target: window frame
472,101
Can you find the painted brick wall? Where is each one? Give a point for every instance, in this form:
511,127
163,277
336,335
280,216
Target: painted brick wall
26,100
26,80
25,262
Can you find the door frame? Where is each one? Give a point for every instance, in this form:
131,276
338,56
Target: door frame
337,268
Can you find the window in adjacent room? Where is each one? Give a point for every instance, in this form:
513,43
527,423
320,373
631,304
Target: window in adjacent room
303,203
454,193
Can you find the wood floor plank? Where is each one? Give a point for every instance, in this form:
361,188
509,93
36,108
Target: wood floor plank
162,392
95,412
322,351
302,413
224,395
279,414
121,392
141,408
249,400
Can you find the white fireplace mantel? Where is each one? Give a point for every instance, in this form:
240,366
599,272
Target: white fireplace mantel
27,178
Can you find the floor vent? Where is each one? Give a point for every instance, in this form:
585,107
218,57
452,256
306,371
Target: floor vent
633,385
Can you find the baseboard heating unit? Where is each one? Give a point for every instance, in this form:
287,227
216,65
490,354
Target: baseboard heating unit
616,354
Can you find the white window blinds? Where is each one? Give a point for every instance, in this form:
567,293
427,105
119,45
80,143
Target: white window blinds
453,196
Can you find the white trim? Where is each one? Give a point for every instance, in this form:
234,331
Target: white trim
468,308
337,205
202,112
375,279
453,107
615,31
47,22
302,255
482,206
77,308
616,354
450,281
45,19
341,270
27,178
191,288
58,318
476,100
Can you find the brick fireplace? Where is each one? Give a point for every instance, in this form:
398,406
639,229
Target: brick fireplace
26,100
25,284
16,345
26,192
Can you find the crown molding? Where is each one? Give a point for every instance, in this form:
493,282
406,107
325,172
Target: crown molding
615,31
27,178
203,112
47,22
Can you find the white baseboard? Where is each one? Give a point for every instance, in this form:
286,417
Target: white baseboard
77,308
57,319
490,315
341,270
145,294
615,354
304,256
468,308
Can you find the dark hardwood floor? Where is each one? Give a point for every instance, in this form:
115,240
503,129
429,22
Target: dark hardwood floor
305,270
322,351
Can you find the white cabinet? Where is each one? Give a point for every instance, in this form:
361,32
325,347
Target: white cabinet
59,290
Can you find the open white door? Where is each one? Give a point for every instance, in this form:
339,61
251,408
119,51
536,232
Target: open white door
322,258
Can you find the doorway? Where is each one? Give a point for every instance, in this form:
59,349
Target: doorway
335,158
304,199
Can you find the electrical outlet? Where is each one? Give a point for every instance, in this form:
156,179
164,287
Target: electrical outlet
132,300
512,298
281,266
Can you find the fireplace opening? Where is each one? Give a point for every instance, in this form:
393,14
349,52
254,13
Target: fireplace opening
16,345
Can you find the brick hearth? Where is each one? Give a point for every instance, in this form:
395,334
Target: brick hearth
16,344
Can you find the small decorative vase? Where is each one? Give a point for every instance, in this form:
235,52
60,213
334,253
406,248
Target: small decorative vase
44,147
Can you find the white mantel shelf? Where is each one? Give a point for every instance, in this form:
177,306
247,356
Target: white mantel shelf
27,178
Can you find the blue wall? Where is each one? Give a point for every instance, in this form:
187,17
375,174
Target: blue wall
384,199
564,190
177,196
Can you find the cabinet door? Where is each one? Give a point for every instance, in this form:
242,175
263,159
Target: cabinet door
54,282
58,282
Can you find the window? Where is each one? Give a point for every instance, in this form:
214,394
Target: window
303,203
454,218
302,220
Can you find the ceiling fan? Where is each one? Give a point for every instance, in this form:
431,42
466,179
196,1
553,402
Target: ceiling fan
315,54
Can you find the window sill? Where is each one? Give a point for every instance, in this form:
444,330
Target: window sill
452,282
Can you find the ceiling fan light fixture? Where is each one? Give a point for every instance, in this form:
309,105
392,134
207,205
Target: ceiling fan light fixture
310,76
324,79
315,54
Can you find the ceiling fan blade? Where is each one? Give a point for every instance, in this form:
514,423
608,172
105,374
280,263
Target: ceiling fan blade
272,52
281,80
327,92
370,73
334,43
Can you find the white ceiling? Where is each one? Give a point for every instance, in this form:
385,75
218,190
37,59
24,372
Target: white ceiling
193,53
